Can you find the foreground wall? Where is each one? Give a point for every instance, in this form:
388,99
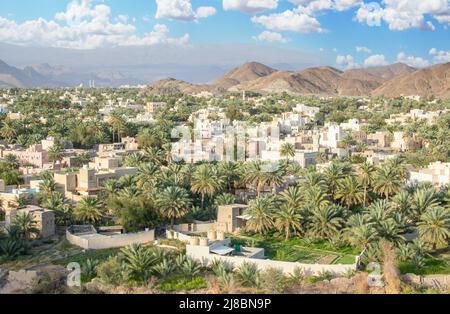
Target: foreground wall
99,242
202,254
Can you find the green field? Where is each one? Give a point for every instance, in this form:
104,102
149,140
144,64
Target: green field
298,250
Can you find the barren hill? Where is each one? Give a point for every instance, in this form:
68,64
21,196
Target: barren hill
434,80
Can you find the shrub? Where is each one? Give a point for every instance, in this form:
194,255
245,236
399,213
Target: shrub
164,268
273,280
248,275
112,271
182,284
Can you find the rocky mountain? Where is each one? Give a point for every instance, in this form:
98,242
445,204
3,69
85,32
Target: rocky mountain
171,86
45,75
379,74
329,81
245,73
434,80
28,77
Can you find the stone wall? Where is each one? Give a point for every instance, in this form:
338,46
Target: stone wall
202,253
439,282
99,241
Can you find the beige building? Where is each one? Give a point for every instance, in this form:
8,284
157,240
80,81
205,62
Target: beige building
437,173
231,217
44,219
35,155
88,181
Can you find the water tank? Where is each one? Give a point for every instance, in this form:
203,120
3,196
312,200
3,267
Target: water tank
194,241
220,235
212,235
203,242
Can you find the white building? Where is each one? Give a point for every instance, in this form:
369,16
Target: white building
437,173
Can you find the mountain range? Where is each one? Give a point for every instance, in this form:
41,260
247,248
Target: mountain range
390,80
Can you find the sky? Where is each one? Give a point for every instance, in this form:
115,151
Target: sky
342,33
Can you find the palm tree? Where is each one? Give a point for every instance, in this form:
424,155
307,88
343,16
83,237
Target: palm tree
362,235
173,202
148,172
134,160
229,170
349,192
387,181
326,221
287,150
260,213
89,210
402,202
47,186
273,176
8,129
225,199
55,153
138,260
292,196
254,175
287,220
366,172
333,174
26,224
206,181
423,200
434,226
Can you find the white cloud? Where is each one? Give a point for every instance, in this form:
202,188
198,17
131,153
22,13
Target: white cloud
270,37
82,26
310,7
250,6
363,49
346,62
289,21
412,61
204,12
375,60
181,10
404,14
440,56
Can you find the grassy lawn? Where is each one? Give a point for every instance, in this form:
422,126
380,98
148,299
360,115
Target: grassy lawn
298,250
438,263
177,284
99,255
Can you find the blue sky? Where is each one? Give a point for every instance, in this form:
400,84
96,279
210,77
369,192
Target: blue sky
386,31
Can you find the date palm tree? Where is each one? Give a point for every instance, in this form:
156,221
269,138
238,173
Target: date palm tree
138,260
365,175
55,153
225,199
254,175
387,181
349,192
206,181
292,196
230,171
287,220
26,224
434,226
423,200
89,210
260,213
326,221
173,202
287,151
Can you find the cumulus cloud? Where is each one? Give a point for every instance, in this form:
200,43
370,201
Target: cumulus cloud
375,60
346,62
249,6
270,37
289,21
310,7
181,10
440,56
363,49
412,61
82,26
402,15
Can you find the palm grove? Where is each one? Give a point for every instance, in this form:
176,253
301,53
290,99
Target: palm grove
350,202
